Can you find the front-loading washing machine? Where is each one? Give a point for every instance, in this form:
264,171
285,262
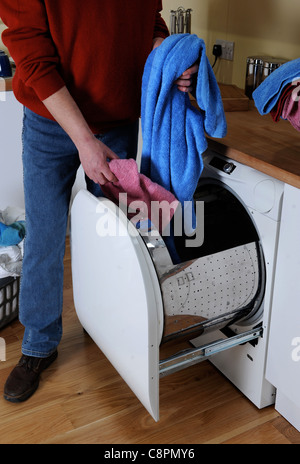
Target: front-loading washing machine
131,298
258,197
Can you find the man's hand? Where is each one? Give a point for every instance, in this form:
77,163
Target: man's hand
93,156
186,80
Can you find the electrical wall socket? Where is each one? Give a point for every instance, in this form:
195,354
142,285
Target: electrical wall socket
227,49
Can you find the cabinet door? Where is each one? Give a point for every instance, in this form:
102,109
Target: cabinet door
283,362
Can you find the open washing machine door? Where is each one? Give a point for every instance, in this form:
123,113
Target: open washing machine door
117,294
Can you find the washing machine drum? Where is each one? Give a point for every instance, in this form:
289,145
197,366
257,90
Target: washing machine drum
222,281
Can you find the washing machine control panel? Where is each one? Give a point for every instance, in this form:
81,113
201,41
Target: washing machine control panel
259,191
222,165
229,168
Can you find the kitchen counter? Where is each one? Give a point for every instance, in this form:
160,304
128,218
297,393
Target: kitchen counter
5,84
259,142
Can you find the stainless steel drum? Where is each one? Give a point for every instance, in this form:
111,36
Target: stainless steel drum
220,282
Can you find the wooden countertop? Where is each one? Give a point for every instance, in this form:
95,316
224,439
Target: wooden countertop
259,142
5,84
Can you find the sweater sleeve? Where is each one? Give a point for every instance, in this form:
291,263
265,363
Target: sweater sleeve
29,42
161,29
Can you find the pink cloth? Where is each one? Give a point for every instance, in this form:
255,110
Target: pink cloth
144,197
291,109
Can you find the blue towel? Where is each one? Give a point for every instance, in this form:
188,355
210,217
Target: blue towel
12,234
268,92
173,130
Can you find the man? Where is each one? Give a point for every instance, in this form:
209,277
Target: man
79,67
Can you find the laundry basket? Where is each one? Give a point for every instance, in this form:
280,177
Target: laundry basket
9,300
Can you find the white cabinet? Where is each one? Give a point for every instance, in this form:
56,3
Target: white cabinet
283,365
11,172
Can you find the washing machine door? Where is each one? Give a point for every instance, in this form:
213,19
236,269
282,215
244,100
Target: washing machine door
117,293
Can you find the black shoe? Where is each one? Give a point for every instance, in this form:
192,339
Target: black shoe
24,378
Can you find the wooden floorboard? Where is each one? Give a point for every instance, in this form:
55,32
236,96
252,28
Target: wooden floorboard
83,400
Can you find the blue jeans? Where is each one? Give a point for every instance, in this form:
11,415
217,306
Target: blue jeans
50,164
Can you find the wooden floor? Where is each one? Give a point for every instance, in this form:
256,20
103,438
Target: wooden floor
82,400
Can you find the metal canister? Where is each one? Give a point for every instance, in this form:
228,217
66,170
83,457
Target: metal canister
253,74
258,69
270,64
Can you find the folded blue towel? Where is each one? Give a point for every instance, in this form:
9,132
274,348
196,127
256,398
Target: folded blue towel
173,130
12,234
268,92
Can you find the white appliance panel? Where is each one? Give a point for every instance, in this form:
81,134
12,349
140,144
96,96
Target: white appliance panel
261,195
283,362
117,294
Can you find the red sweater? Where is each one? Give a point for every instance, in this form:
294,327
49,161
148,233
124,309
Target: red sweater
98,49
